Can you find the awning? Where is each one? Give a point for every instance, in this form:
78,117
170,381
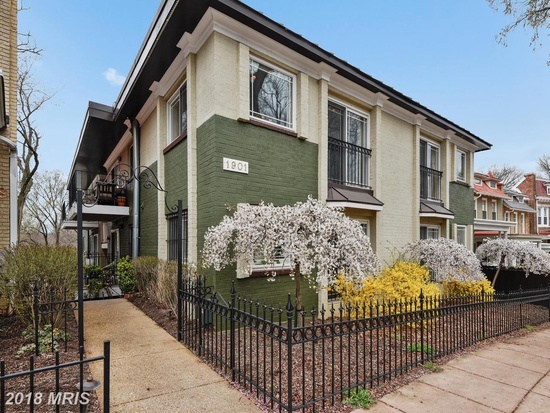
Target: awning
435,210
348,197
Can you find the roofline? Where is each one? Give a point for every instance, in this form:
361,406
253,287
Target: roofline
349,71
94,110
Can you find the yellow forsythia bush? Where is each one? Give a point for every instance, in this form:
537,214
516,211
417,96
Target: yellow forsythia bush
402,281
456,288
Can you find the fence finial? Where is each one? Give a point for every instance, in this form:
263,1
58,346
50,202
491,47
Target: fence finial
289,306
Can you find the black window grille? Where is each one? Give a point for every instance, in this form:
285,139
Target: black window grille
172,220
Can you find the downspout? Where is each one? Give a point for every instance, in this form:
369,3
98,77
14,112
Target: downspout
13,188
136,134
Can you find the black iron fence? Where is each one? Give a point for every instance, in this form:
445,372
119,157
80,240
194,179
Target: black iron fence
61,395
309,360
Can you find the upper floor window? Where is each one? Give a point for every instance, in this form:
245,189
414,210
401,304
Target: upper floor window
177,114
430,175
521,200
348,158
460,166
477,181
507,216
542,216
271,94
548,189
483,209
522,223
492,184
494,210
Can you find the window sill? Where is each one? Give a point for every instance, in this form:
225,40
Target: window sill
267,273
463,183
174,143
270,127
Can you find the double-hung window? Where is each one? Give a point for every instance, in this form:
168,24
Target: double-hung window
172,241
271,94
348,157
542,217
460,166
461,234
429,232
494,211
430,175
177,114
483,209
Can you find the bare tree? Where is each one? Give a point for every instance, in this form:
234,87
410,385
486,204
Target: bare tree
42,212
533,15
509,175
544,165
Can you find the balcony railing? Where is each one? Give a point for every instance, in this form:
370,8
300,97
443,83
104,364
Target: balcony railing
98,188
348,164
430,183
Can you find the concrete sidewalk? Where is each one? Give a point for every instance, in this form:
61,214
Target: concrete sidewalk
512,376
150,370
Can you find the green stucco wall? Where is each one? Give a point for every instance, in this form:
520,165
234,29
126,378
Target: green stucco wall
461,202
148,223
175,174
282,170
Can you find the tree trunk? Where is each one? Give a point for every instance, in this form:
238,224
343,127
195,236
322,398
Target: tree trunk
498,271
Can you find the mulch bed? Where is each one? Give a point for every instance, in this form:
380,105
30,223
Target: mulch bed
11,340
305,363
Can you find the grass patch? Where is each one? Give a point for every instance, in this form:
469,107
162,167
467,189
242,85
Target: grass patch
529,328
416,348
359,398
432,367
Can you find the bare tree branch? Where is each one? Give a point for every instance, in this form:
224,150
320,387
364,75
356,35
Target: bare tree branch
544,165
509,175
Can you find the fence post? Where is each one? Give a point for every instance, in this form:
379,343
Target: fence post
2,387
421,297
106,375
483,332
548,302
36,316
289,315
232,331
199,312
180,259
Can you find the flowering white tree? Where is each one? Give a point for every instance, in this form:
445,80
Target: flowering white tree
448,259
515,254
318,242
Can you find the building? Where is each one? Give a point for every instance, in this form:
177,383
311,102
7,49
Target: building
517,210
8,123
537,191
225,106
489,205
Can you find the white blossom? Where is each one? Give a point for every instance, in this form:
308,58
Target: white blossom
447,259
320,241
516,254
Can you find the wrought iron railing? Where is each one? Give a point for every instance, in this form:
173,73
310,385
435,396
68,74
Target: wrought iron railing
310,360
430,183
348,164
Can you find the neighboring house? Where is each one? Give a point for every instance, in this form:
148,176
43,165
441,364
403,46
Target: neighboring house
538,192
225,106
8,123
517,210
489,206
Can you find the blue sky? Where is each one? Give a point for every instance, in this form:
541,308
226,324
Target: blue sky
441,53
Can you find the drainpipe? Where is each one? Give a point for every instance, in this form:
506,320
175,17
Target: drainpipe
136,133
13,188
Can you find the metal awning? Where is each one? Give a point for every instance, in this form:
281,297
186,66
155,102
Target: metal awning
349,197
429,209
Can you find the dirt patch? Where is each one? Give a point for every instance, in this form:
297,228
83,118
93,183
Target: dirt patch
17,390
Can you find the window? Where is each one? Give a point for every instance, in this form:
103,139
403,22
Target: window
271,95
477,182
429,232
348,158
430,175
280,262
507,216
492,184
172,241
461,234
460,166
522,223
542,218
548,189
516,221
177,114
494,210
483,209
521,200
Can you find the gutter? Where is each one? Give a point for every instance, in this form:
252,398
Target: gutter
13,188
136,133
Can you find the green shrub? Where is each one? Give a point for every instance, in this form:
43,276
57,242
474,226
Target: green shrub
126,276
44,339
146,272
51,268
94,274
359,398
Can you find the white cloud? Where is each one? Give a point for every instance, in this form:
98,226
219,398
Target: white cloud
113,77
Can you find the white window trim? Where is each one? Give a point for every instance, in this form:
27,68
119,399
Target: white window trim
465,228
484,208
294,93
478,181
175,97
436,145
355,110
492,184
461,152
494,208
438,227
548,189
522,223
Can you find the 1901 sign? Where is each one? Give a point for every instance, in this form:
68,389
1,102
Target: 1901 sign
234,165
